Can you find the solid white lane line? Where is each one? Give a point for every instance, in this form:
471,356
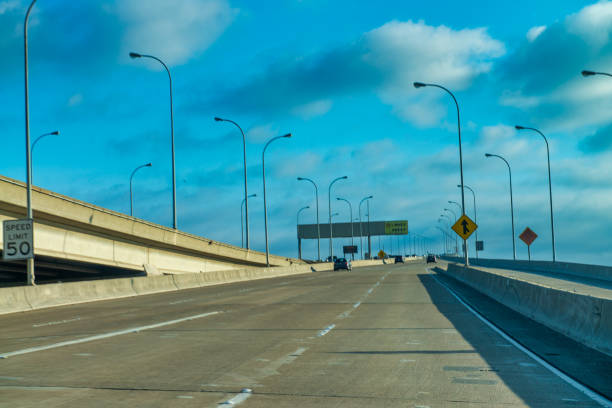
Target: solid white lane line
178,302
601,400
106,335
56,322
326,330
245,394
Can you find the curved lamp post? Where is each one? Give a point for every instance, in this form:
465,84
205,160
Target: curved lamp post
443,236
453,223
297,222
331,248
475,217
131,196
318,226
136,55
361,223
552,222
511,202
263,166
246,193
34,145
331,232
421,85
460,209
31,280
586,73
350,220
244,200
441,220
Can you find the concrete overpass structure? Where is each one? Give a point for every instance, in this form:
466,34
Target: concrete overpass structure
73,230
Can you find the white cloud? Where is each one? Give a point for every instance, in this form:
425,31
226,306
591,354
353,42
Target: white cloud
518,100
497,139
75,100
261,133
435,54
313,109
593,23
409,51
8,6
557,96
174,31
534,32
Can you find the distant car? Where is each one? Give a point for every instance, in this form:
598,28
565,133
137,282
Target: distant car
431,258
342,263
399,259
330,259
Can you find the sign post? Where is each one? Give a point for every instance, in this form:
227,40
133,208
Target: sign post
528,236
18,240
464,227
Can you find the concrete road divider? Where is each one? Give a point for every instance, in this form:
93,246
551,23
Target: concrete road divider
24,298
584,318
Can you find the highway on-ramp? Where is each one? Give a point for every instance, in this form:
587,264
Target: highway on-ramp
381,336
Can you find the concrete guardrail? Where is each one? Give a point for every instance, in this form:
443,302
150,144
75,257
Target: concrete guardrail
566,268
586,319
25,298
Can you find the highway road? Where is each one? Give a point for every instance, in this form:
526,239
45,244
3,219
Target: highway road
383,336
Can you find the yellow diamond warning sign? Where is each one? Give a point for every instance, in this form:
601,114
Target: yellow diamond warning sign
464,227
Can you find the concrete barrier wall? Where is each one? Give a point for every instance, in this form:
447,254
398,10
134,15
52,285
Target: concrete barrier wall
24,298
584,318
372,262
74,230
566,268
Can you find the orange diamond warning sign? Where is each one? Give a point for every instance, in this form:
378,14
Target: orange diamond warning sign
528,236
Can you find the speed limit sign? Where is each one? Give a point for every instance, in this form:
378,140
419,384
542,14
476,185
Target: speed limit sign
18,239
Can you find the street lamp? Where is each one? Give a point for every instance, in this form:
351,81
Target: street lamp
32,149
421,85
361,223
475,217
552,223
443,236
331,233
453,223
263,166
350,220
134,55
131,196
441,220
31,280
246,193
318,226
244,200
297,223
331,248
591,73
511,202
458,205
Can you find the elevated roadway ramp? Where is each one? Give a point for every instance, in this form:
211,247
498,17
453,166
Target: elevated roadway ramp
72,230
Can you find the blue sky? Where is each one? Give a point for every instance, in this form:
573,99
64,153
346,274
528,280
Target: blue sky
338,75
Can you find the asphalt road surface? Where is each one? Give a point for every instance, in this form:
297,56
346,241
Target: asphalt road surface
384,336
